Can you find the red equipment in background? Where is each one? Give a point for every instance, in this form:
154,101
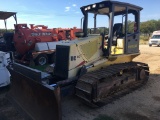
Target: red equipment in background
25,38
37,43
67,33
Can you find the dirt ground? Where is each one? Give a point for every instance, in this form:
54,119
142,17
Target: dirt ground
141,104
7,111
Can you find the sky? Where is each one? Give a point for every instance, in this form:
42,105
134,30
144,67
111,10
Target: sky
64,13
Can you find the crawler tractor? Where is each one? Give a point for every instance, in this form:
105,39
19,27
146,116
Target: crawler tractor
95,67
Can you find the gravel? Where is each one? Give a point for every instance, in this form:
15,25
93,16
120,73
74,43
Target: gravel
141,104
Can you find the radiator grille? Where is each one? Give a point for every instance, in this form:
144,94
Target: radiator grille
62,61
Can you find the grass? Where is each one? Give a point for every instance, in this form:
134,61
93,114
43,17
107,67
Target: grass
40,67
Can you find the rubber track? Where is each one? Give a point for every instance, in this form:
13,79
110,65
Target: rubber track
85,84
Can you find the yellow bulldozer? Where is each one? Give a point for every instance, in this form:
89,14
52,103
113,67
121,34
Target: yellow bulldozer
95,67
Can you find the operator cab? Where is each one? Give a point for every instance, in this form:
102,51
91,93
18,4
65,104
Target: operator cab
6,37
118,23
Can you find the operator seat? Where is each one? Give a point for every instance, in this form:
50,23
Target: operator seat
117,32
117,29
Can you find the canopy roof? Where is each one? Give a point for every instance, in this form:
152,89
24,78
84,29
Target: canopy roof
104,6
5,15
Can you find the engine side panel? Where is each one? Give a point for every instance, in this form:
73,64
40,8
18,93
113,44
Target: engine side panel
77,53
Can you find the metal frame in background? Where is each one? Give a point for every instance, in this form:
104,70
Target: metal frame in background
5,15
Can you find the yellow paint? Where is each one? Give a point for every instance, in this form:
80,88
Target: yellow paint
90,48
115,60
115,50
119,49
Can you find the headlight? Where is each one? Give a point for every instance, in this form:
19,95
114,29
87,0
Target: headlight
93,6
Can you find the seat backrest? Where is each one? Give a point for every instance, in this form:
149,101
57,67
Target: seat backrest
117,29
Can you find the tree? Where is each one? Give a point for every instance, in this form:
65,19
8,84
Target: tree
148,26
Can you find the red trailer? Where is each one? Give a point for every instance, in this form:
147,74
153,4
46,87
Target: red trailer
38,43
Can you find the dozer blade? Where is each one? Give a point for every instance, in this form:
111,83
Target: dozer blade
37,101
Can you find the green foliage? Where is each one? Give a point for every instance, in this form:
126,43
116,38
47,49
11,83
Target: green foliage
130,26
2,31
146,27
40,67
144,39
98,30
149,26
